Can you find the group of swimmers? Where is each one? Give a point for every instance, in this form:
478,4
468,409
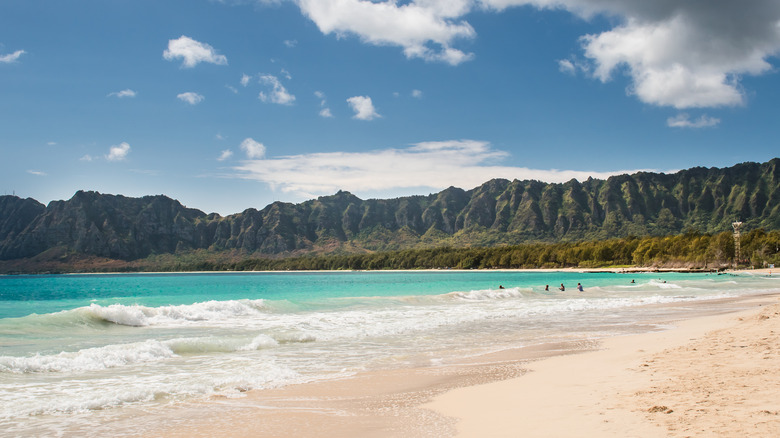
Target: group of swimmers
563,288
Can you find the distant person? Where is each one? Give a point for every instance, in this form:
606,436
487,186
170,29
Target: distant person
500,286
546,287
562,288
579,287
632,281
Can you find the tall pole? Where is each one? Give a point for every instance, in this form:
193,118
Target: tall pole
736,226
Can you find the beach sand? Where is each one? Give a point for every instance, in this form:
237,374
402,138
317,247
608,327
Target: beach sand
708,376
711,376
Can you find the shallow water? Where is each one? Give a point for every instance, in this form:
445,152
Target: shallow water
78,350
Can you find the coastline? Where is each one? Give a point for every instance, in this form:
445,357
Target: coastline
608,389
621,270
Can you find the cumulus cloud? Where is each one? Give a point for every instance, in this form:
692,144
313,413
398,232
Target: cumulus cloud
190,97
11,57
683,54
687,54
192,52
363,108
425,29
245,78
683,120
117,152
438,165
224,155
417,94
122,94
277,93
253,149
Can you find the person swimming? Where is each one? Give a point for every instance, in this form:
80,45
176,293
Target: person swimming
546,287
562,288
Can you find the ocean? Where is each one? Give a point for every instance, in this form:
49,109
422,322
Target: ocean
80,352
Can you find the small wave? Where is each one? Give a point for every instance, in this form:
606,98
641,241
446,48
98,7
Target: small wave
213,344
90,359
487,294
141,316
662,284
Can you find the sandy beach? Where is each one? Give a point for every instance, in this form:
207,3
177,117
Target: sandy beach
711,376
716,375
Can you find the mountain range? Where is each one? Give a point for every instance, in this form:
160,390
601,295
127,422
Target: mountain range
498,212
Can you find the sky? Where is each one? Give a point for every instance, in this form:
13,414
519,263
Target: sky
233,104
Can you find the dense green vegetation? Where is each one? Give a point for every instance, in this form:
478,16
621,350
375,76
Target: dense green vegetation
691,250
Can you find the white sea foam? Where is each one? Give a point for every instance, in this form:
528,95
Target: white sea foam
488,294
89,359
156,386
140,316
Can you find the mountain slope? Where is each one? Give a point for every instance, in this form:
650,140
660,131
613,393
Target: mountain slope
497,212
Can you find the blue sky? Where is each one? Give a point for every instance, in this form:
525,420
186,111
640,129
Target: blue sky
226,105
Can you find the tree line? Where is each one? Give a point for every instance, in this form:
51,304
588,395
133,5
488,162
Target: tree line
692,250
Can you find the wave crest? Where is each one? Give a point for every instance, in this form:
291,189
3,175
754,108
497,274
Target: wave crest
90,359
141,316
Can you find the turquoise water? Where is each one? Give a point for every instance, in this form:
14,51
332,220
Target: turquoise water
25,295
78,349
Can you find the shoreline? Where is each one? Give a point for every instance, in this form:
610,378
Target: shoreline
540,390
622,270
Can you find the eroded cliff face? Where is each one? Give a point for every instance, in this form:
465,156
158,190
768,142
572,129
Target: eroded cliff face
497,212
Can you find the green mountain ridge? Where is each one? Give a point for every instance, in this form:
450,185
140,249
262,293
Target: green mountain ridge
498,212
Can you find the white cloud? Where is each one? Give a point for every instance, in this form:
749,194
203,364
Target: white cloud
52,143
325,111
224,155
566,66
11,57
683,120
86,157
190,97
36,172
425,29
290,43
438,165
232,89
245,78
253,149
683,54
117,152
363,108
417,94
124,93
277,94
192,52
